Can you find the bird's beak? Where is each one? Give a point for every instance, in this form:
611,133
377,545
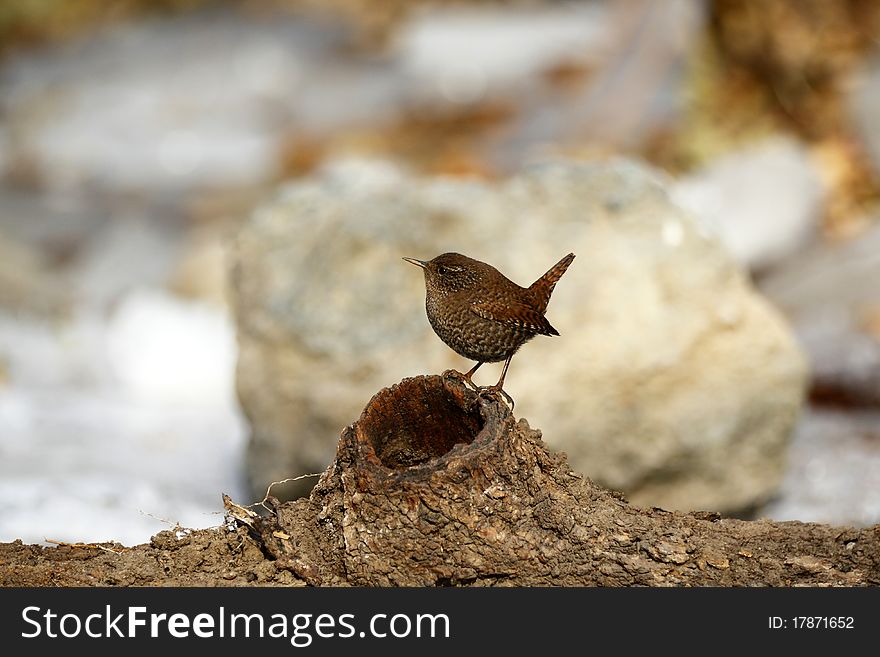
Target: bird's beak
417,263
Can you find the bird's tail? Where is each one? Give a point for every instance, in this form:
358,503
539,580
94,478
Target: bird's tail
542,288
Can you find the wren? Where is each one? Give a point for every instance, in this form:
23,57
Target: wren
483,315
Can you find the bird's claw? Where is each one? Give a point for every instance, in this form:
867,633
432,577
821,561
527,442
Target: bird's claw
487,391
495,391
455,374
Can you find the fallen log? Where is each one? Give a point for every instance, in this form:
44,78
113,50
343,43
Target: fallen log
436,485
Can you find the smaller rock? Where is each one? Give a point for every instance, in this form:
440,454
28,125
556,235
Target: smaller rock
827,295
865,107
763,202
834,470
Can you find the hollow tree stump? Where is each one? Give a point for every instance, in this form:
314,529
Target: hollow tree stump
435,485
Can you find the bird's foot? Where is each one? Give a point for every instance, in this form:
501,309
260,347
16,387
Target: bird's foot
464,378
497,391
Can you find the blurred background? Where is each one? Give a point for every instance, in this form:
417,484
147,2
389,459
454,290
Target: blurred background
137,137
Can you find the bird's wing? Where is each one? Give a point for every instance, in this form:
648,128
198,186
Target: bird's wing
514,314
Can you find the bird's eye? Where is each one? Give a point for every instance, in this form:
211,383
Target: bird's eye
443,271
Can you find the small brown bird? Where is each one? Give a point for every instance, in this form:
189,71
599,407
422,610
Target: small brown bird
483,315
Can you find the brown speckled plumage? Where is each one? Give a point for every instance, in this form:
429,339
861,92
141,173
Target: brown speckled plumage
480,313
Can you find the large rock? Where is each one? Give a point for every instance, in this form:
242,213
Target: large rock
672,379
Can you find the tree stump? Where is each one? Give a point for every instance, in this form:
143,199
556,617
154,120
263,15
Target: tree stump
437,485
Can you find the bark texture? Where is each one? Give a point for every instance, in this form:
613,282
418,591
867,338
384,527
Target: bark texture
436,485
